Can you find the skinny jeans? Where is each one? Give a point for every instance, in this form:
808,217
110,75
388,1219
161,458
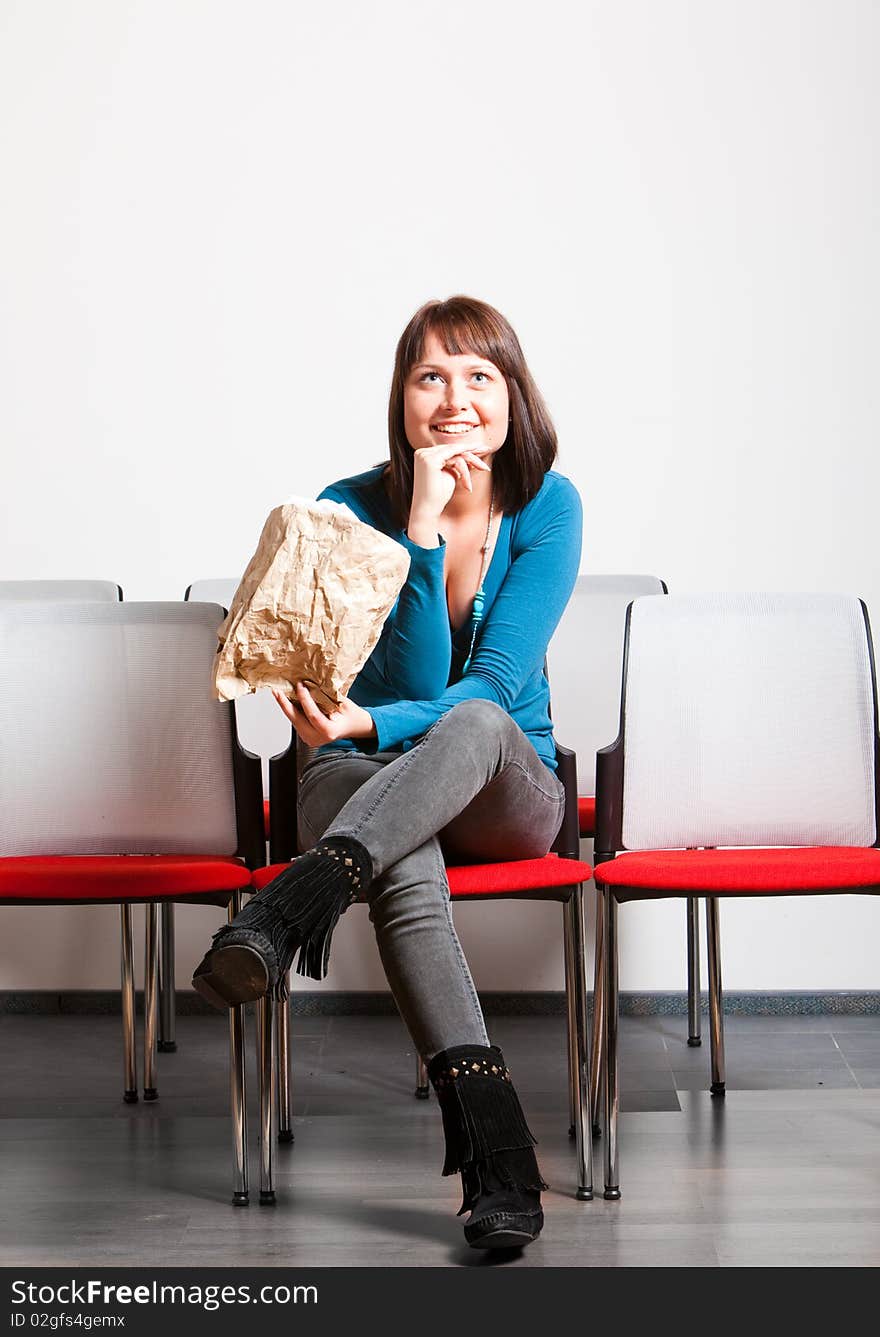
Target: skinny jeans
473,790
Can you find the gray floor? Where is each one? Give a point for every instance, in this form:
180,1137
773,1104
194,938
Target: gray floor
786,1170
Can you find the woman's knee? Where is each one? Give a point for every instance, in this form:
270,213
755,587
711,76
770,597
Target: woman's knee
478,716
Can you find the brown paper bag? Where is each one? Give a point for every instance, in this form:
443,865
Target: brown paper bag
311,604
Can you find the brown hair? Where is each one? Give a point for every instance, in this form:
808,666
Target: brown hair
466,325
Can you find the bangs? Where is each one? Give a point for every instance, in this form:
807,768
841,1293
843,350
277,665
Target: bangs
462,326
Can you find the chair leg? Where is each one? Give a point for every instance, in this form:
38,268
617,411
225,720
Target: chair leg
612,1095
574,910
151,979
693,956
282,1045
598,1019
423,1089
266,1046
167,1018
130,1089
240,1195
716,1002
570,1019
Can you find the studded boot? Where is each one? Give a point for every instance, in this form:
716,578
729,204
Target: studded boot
299,909
488,1141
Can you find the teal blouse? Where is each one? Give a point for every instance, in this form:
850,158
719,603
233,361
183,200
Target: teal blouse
414,675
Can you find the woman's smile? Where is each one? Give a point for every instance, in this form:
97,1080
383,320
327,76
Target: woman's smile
453,428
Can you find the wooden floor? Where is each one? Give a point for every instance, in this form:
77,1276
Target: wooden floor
785,1171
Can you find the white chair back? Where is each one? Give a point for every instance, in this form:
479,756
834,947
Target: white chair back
110,740
749,720
584,663
262,728
60,591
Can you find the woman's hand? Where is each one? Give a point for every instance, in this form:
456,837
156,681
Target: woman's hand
437,472
315,728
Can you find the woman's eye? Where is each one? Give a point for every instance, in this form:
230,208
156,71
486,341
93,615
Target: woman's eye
428,374
483,374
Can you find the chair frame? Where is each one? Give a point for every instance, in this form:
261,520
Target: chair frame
692,928
274,1042
609,842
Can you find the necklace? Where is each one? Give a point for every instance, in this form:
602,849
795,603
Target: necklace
480,596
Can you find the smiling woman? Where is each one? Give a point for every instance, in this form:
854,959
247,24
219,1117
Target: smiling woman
444,748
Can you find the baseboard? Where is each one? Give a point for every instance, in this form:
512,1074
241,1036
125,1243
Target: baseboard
789,1003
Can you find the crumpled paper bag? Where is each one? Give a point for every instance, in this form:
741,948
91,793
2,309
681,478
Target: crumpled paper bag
311,604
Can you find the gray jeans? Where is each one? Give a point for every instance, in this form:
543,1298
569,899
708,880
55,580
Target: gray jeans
472,791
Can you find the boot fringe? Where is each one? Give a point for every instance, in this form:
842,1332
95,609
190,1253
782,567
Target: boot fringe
481,1110
314,892
307,899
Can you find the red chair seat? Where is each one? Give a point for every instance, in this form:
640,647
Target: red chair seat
490,879
746,871
587,816
118,877
496,879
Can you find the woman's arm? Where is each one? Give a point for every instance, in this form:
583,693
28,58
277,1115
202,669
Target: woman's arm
523,617
414,653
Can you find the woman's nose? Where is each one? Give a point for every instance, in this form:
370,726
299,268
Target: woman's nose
456,395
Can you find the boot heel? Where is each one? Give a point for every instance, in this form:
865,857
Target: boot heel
230,975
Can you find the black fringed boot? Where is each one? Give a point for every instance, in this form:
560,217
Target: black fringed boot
488,1140
298,909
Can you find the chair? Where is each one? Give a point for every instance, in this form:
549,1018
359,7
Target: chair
122,782
70,591
558,876
746,765
585,658
264,731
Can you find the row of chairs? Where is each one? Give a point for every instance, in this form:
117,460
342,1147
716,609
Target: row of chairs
718,747
728,710
151,798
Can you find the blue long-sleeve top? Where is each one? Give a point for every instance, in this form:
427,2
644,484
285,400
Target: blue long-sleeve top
414,675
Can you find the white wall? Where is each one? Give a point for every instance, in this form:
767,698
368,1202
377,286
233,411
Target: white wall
216,218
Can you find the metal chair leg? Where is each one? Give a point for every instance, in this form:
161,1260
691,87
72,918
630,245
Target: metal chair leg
423,1088
598,1019
266,1046
130,1090
151,1017
612,1094
570,1020
240,1195
716,1003
693,956
167,1010
282,1046
574,909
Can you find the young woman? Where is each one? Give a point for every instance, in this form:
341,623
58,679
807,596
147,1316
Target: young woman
444,748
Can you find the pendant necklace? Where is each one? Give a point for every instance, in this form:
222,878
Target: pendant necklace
480,596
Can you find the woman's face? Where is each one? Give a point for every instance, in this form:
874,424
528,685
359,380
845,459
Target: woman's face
455,397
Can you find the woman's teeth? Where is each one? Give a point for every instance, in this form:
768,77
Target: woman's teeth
458,430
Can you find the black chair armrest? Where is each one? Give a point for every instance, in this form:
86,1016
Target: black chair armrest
609,801
283,785
567,842
247,776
